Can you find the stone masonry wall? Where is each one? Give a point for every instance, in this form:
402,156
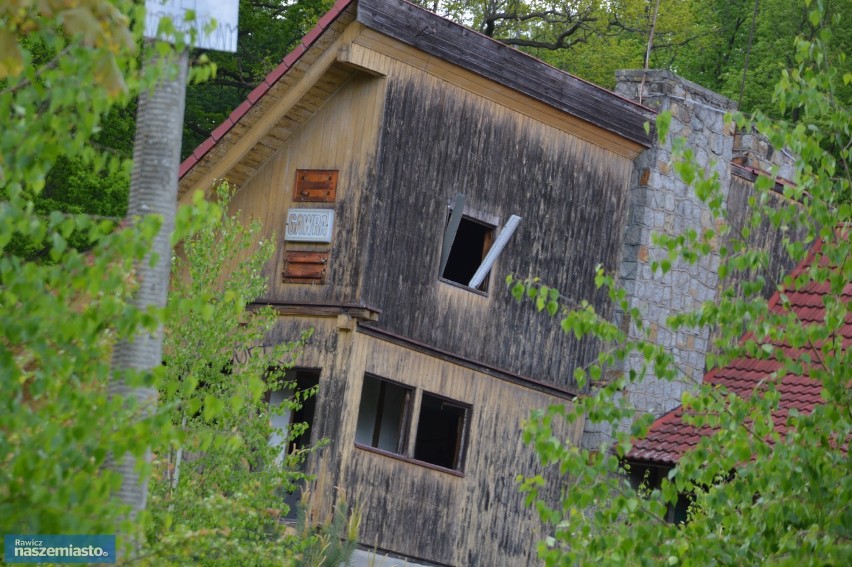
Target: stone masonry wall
660,202
753,150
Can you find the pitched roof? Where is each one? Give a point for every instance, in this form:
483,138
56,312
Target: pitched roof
263,88
669,437
454,43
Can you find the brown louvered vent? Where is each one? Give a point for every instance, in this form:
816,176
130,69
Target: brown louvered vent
315,186
305,267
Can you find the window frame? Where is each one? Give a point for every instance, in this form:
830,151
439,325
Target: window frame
490,232
297,377
409,428
460,452
404,421
495,240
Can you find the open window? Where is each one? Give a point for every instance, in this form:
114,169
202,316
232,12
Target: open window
384,423
471,247
383,415
301,388
647,477
441,432
292,409
468,248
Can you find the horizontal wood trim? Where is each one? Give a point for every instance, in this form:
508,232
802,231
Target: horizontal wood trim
304,270
308,257
750,174
356,311
405,459
499,373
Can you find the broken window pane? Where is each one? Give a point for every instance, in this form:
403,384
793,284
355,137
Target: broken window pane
441,432
470,244
382,415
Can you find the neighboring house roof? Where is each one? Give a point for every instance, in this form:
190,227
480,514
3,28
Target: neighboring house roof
452,42
669,437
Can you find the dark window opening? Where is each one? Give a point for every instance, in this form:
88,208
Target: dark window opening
300,386
471,243
645,478
383,415
306,387
441,432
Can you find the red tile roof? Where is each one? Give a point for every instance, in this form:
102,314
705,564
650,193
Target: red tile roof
669,437
270,80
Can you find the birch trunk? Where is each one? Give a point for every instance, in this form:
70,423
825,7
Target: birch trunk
153,191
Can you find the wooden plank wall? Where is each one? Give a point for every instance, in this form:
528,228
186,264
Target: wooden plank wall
439,140
505,65
474,519
340,135
766,237
478,519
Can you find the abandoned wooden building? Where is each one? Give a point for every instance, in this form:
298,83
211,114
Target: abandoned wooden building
405,166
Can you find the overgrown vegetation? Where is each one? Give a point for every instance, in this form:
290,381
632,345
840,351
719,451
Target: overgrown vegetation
218,491
66,280
787,501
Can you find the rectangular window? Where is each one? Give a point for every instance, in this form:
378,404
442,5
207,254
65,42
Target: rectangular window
470,248
384,423
292,410
301,390
471,242
649,477
383,415
441,432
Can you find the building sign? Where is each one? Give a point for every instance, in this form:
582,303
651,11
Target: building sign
309,225
223,12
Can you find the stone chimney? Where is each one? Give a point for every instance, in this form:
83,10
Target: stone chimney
659,202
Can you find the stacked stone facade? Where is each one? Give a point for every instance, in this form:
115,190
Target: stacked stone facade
660,202
752,149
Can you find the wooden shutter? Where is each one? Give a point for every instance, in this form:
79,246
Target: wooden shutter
315,186
305,267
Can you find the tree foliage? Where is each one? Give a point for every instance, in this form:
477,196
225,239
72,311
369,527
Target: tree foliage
706,41
98,184
720,62
787,499
268,31
66,280
589,38
219,486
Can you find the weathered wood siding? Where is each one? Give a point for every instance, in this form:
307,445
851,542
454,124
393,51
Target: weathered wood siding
406,141
340,135
477,518
439,140
766,237
470,50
